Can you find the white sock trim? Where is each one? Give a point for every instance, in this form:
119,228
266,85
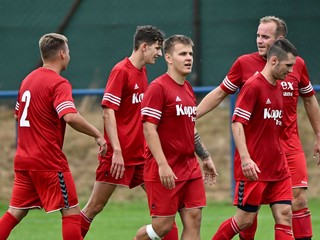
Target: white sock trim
151,233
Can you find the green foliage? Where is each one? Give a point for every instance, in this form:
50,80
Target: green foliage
120,221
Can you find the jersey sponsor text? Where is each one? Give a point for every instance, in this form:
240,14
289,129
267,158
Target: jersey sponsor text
137,98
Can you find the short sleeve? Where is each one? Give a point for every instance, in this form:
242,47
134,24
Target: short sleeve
152,103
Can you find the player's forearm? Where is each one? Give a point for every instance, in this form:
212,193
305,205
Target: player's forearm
199,147
154,143
240,140
313,112
78,123
210,101
110,125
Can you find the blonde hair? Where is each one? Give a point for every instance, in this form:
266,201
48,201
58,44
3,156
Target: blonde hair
281,29
50,44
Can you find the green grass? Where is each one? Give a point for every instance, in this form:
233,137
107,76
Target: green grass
121,220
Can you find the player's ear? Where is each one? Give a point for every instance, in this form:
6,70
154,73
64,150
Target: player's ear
143,46
274,60
168,58
62,53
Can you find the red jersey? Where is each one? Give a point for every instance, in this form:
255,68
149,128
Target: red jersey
123,93
294,85
259,108
43,99
172,107
242,69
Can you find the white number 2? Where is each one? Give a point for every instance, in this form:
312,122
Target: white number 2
26,97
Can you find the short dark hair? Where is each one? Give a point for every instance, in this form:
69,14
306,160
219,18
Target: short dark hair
50,44
280,48
148,34
175,39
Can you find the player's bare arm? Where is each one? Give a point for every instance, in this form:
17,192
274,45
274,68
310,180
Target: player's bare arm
249,167
109,120
209,171
312,109
78,123
210,101
167,176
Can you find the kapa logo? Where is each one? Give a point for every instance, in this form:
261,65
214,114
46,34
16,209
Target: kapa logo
137,98
272,113
186,110
276,115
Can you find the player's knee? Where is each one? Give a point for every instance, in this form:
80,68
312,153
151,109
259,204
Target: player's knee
94,208
283,215
152,233
245,223
299,202
195,217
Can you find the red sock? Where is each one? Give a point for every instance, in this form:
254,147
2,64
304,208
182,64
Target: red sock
173,234
85,224
227,230
283,232
301,224
7,223
248,233
71,227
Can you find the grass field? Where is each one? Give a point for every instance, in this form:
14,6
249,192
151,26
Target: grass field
119,221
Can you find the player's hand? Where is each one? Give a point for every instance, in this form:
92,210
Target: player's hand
209,171
250,169
103,145
167,176
316,150
117,165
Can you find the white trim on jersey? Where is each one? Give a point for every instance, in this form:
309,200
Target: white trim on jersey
151,112
242,113
228,84
112,98
62,106
306,89
17,106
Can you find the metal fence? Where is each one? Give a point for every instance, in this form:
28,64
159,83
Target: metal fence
197,90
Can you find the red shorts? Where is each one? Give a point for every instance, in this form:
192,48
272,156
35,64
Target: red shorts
298,170
52,191
164,202
132,177
257,193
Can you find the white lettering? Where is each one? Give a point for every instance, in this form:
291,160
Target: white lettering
137,98
287,85
186,110
288,94
274,114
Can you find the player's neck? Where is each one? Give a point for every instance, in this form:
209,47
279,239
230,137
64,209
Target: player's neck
137,60
269,76
178,78
53,67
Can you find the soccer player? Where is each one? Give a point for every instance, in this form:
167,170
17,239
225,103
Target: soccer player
42,176
261,173
171,169
295,84
124,162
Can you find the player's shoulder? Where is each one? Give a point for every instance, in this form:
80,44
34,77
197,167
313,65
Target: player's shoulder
188,85
50,76
160,83
255,80
300,61
124,64
250,56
